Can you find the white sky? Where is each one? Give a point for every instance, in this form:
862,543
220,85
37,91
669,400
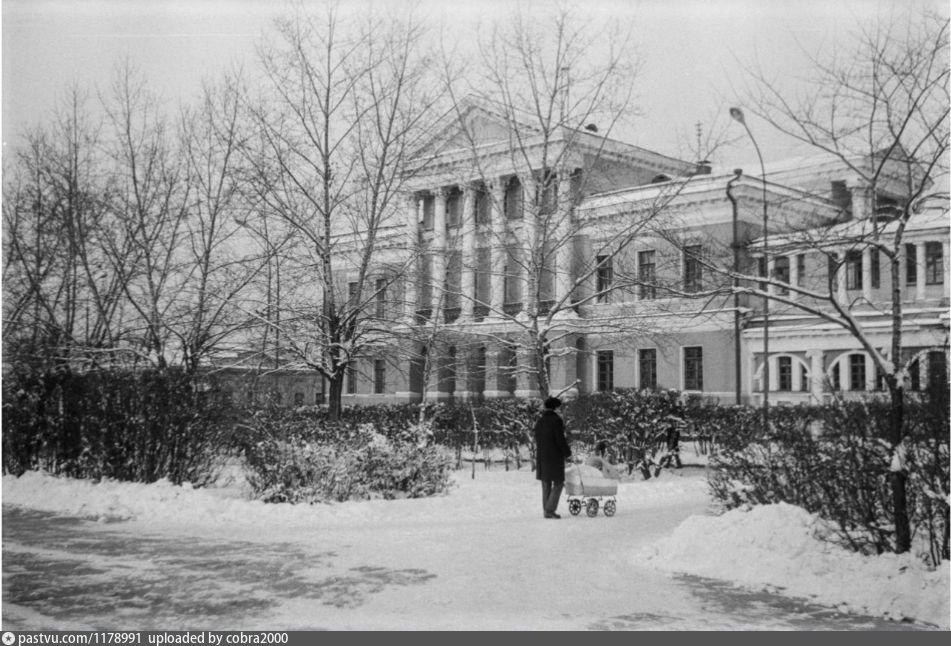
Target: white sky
690,50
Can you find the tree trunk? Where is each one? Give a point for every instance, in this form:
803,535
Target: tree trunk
898,476
334,396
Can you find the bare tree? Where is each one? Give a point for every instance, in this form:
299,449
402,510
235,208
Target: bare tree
880,111
62,297
346,101
218,262
560,84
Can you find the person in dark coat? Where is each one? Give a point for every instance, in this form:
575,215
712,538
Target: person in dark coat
551,451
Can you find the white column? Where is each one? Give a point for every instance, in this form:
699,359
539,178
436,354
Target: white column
412,214
565,252
922,267
867,273
468,296
870,373
816,376
841,294
498,251
526,377
946,267
529,247
793,276
438,251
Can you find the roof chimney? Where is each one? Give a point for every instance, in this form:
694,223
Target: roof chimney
703,168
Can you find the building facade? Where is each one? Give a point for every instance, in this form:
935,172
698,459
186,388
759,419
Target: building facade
612,263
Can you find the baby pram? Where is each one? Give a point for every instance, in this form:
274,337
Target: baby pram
583,481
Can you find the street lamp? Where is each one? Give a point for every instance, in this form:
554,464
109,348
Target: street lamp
737,174
737,115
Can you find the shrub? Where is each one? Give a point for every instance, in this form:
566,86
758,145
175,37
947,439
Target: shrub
833,460
306,463
128,425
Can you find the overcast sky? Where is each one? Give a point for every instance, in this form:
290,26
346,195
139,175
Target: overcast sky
689,50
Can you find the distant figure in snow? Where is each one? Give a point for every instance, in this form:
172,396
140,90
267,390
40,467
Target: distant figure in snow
551,451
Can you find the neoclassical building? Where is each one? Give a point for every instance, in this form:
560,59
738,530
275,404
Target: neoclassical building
603,258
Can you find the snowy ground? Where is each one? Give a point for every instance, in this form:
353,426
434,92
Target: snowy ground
482,557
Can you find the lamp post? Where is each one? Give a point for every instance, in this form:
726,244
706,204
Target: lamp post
737,173
737,115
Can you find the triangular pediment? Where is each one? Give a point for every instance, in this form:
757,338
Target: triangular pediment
472,123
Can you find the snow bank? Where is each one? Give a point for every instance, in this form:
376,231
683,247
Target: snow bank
776,546
492,494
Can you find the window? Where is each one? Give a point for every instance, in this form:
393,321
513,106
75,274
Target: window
781,271
426,282
483,205
832,267
803,378
693,272
693,368
911,265
875,270
429,207
646,274
352,291
934,263
784,365
853,270
605,370
513,199
856,372
298,399
381,297
647,360
836,377
761,271
454,208
453,279
379,377
450,371
548,192
352,379
800,269
937,371
914,374
605,278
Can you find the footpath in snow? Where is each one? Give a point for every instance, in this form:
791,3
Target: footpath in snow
491,525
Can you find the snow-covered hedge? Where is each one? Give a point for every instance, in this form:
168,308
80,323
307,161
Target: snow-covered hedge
140,426
310,464
833,460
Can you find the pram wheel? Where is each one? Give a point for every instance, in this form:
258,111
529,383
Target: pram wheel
574,506
592,508
609,508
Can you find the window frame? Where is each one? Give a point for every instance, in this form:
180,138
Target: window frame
784,373
379,377
604,278
853,270
647,357
693,268
647,290
934,263
911,264
605,370
693,368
